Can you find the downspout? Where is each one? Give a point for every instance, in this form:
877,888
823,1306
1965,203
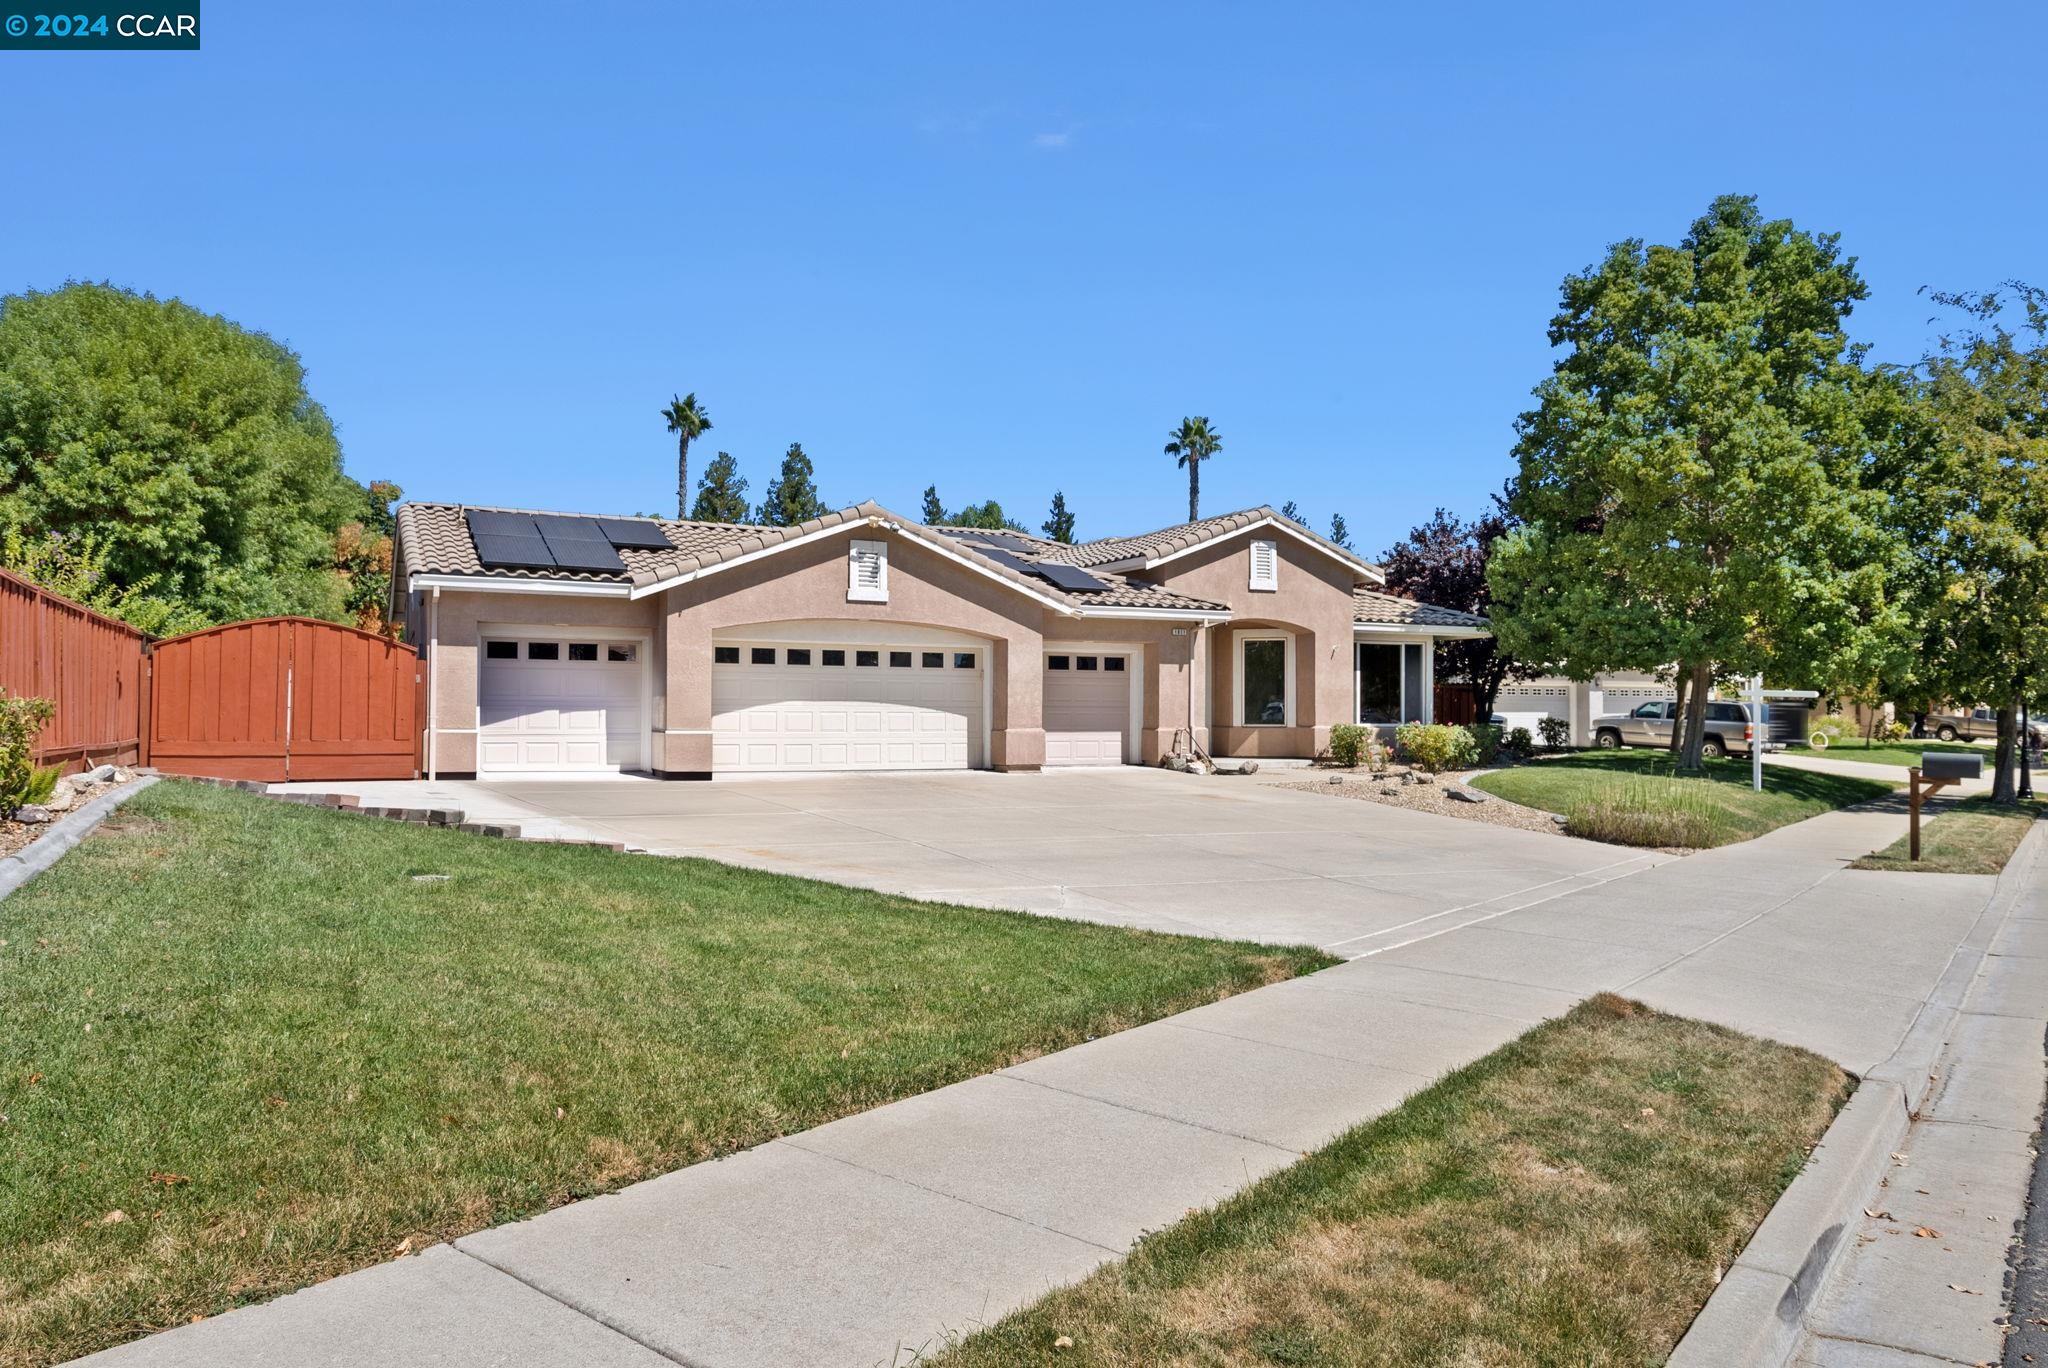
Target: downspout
433,684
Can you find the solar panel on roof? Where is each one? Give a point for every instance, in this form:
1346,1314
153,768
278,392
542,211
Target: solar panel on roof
1002,557
500,551
1001,539
639,533
574,552
488,522
1067,577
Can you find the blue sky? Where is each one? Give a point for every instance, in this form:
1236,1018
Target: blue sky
1004,249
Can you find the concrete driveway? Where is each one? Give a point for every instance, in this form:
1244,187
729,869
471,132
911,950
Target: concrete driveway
1219,856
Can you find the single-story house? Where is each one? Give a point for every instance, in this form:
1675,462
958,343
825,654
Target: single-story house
865,640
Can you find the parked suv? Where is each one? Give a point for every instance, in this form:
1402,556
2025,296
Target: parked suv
1728,729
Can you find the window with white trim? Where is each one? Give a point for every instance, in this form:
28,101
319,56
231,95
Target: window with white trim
1265,565
867,572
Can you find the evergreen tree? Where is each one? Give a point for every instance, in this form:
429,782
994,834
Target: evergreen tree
721,493
1060,525
1339,533
793,494
934,511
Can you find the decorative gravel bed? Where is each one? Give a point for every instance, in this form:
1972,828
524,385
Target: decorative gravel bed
1424,795
73,791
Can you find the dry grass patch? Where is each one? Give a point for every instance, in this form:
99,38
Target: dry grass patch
1974,836
1569,1200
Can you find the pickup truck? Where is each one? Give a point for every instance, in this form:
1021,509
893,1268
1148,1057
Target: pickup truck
1978,724
1651,724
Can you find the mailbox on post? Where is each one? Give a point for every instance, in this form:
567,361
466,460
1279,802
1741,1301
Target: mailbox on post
1936,771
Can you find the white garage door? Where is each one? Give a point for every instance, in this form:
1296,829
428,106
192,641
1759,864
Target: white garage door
559,704
1525,705
846,707
1087,708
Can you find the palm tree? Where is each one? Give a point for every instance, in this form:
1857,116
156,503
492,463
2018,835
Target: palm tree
688,420
1194,442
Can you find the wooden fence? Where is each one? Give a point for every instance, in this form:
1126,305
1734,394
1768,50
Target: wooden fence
276,698
92,667
1456,704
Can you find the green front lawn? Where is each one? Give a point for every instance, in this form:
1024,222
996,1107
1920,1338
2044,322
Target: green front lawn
1974,836
1571,1199
1637,797
1904,754
244,1048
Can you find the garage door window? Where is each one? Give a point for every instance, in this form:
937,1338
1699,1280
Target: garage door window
867,657
621,655
1084,662
833,657
725,655
934,660
1114,664
799,655
1058,662
543,650
501,650
899,660
583,650
963,660
762,655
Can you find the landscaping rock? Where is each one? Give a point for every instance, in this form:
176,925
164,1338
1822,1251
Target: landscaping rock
1248,767
99,774
1462,794
33,814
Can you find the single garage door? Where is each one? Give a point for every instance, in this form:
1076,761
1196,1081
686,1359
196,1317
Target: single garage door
1087,708
559,704
846,707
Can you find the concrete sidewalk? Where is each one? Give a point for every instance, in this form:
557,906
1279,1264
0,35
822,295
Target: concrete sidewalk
865,1241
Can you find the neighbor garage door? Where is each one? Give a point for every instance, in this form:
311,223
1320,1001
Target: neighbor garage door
846,707
1526,705
1087,708
559,704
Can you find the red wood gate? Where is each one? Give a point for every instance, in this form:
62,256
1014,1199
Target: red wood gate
90,666
284,698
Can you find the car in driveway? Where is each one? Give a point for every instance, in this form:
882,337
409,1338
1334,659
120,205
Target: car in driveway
1651,724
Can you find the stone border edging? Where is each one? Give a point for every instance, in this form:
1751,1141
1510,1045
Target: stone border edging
65,833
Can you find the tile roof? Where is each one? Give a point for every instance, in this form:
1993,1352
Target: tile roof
1183,536
1369,605
434,540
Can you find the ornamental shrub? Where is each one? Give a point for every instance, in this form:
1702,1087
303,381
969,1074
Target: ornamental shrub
1485,742
1435,747
1518,744
1347,744
1556,732
21,720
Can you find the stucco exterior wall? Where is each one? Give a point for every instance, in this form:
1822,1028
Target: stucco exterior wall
809,582
452,659
1313,603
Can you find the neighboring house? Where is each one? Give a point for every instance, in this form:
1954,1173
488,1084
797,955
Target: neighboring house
865,640
1578,701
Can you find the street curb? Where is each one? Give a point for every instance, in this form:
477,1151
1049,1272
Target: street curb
66,832
1756,1315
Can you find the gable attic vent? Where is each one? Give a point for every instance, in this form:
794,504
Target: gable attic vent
1265,565
867,572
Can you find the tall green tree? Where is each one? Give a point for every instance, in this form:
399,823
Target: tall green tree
1974,492
1694,478
792,496
1292,512
1340,532
1444,562
184,447
721,493
1190,444
1059,523
988,515
687,421
934,511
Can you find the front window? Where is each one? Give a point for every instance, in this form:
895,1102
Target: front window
1265,683
1379,685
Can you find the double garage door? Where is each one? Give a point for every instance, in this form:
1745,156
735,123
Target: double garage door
861,706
